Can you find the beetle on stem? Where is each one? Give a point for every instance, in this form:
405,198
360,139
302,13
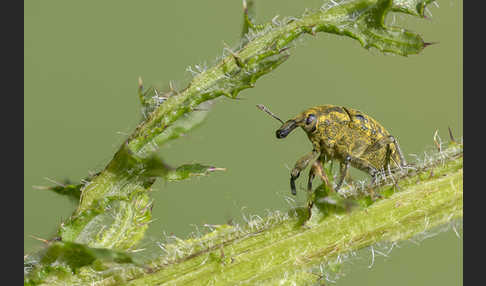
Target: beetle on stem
343,134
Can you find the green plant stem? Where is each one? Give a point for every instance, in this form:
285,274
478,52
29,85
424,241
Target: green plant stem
289,253
284,248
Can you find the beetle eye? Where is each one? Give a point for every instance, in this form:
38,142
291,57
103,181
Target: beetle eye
310,119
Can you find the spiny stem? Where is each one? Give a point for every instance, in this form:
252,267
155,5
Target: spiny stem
281,250
113,210
285,248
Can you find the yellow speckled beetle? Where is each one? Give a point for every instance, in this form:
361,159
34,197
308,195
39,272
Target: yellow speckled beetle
343,134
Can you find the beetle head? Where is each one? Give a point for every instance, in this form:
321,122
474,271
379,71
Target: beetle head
307,120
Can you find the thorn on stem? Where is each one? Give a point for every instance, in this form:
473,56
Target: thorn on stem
451,136
55,182
283,50
247,17
41,187
137,250
140,83
238,60
439,148
426,44
313,30
171,87
40,239
212,169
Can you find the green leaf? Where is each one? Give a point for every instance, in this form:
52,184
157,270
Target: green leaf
70,190
190,170
76,255
365,21
60,260
157,168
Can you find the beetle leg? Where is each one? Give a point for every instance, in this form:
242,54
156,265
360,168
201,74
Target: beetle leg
310,202
400,154
312,175
344,166
364,165
387,157
386,141
317,166
387,164
299,166
372,189
380,144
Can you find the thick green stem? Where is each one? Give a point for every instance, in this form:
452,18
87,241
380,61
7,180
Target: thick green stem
288,252
285,248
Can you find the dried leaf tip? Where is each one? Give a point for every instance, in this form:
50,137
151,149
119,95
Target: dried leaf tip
212,169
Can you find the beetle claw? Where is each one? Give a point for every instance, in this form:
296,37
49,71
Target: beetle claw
292,186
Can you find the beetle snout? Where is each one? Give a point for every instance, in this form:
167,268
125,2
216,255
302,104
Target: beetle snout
281,134
283,131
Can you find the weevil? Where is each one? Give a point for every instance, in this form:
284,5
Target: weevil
343,134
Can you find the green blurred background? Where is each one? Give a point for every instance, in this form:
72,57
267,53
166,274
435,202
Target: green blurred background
82,60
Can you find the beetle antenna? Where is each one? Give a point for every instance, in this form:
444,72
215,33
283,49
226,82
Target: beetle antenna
266,110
